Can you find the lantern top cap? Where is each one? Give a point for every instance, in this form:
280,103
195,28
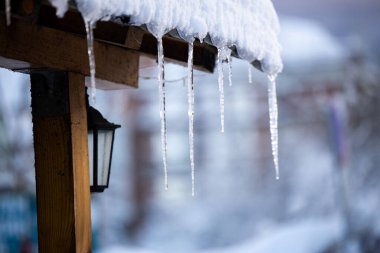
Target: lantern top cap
97,121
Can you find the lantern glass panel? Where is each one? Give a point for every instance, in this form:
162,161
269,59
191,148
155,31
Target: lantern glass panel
91,155
104,155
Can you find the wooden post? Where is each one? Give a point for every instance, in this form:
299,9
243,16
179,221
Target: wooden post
61,161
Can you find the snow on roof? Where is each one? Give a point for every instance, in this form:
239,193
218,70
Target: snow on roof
251,26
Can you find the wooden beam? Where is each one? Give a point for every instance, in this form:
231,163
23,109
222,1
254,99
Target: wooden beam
177,50
61,161
134,38
117,33
41,47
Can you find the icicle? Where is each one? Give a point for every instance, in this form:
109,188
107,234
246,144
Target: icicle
221,87
229,59
190,99
161,88
8,11
273,120
249,73
91,56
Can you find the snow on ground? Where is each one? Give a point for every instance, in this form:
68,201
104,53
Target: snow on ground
308,236
123,249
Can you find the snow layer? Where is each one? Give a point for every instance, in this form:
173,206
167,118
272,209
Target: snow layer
309,236
250,25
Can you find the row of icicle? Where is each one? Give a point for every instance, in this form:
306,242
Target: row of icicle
224,54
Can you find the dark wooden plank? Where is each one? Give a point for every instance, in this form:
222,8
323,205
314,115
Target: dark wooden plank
72,22
177,50
134,38
61,162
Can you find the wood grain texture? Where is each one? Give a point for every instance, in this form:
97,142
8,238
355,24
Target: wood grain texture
41,47
61,163
80,164
134,38
177,51
54,186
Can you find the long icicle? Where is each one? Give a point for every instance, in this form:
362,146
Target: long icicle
273,120
91,57
229,61
161,89
190,100
221,88
8,11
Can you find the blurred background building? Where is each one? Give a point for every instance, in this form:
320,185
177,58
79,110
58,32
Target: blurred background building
327,197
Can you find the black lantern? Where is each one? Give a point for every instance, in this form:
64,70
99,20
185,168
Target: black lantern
101,135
